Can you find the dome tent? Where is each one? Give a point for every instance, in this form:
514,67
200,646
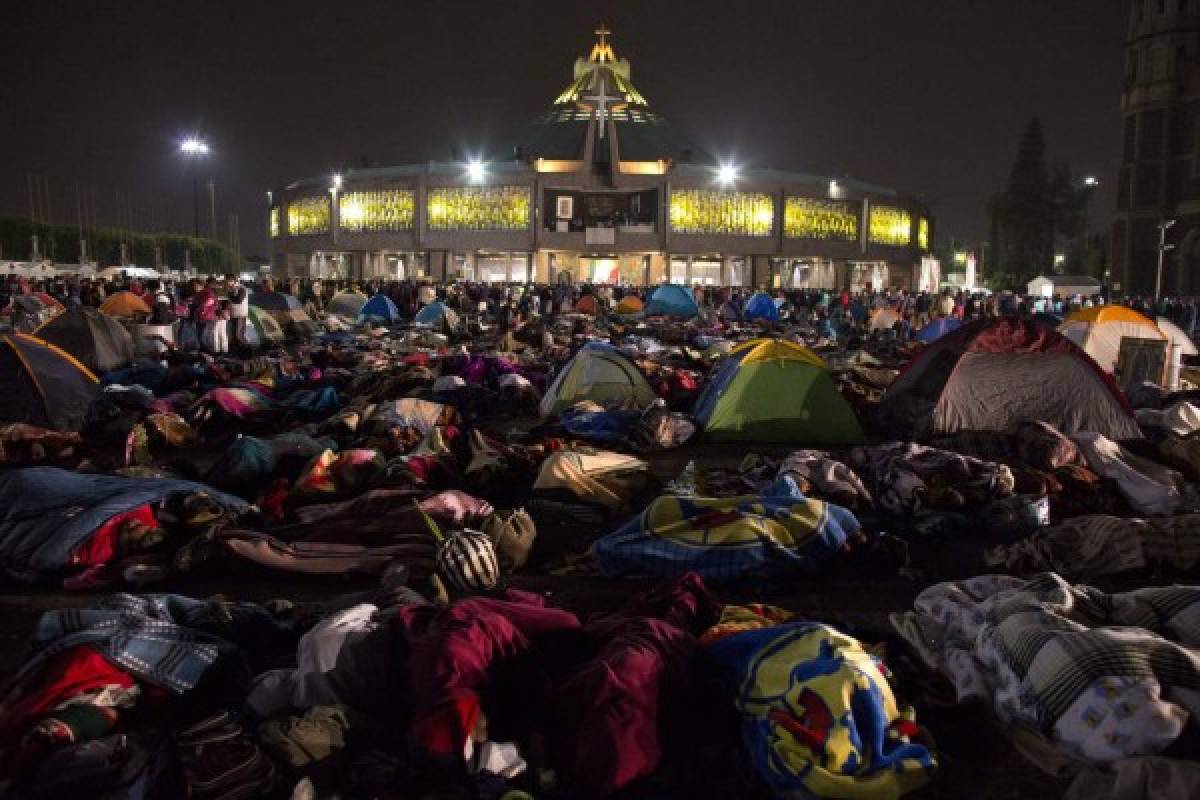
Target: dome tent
600,373
1100,329
672,300
630,304
938,328
761,306
770,390
993,373
263,329
42,385
434,313
586,305
1177,337
379,308
125,304
96,340
346,304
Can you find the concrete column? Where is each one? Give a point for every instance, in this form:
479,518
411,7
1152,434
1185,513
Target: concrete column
727,271
659,269
841,275
687,276
760,272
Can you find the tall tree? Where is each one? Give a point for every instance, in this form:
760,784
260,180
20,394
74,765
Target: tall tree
1023,215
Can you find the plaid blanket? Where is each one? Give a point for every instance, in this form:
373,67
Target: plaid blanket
727,537
149,635
1104,676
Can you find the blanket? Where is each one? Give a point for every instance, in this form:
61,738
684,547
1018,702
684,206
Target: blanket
1105,676
728,537
819,718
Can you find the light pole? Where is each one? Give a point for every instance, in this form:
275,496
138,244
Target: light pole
194,149
1163,247
1090,182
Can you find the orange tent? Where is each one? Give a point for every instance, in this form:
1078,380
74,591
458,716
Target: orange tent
586,305
125,304
630,304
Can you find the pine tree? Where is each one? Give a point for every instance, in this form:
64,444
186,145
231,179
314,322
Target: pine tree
1024,213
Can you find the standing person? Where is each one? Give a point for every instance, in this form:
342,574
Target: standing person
239,313
204,314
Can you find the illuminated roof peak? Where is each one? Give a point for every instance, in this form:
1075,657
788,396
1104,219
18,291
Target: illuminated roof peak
601,81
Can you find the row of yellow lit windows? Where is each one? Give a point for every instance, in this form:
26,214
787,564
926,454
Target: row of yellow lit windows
715,212
389,210
307,215
891,226
274,224
812,218
491,208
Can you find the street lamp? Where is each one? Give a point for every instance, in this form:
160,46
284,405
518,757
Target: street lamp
194,149
1163,247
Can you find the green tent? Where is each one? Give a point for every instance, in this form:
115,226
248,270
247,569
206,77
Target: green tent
265,327
769,390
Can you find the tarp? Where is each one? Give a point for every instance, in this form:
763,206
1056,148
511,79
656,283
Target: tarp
43,385
600,373
380,307
770,390
883,319
97,340
346,304
125,304
990,374
46,513
761,306
727,537
672,300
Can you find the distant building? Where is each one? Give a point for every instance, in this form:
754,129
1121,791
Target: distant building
1160,165
603,189
1063,286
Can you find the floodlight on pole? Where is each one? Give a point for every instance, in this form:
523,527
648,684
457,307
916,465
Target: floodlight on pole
834,187
194,149
1091,181
727,174
476,171
336,185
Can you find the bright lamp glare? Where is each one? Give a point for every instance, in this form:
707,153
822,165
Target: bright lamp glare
834,188
194,147
475,171
337,181
1091,180
727,174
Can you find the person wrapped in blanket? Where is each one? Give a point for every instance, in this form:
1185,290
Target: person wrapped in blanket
729,537
1100,676
818,715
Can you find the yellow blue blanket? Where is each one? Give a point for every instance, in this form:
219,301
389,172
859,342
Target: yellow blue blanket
727,537
818,716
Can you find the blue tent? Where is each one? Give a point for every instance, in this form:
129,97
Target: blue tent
380,307
672,300
431,313
937,329
761,306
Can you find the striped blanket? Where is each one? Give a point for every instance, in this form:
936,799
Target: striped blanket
727,537
1105,676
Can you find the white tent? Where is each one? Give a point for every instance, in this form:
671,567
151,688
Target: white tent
1177,337
141,273
602,374
1063,286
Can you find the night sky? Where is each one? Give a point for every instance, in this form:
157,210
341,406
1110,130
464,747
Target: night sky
929,96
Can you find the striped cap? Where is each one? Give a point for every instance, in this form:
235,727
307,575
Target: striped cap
467,561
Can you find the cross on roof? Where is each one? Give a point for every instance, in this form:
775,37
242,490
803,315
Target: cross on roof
602,31
600,102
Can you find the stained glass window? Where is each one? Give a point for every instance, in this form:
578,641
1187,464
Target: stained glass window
719,212
479,208
813,218
890,226
382,210
308,215
923,234
274,222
